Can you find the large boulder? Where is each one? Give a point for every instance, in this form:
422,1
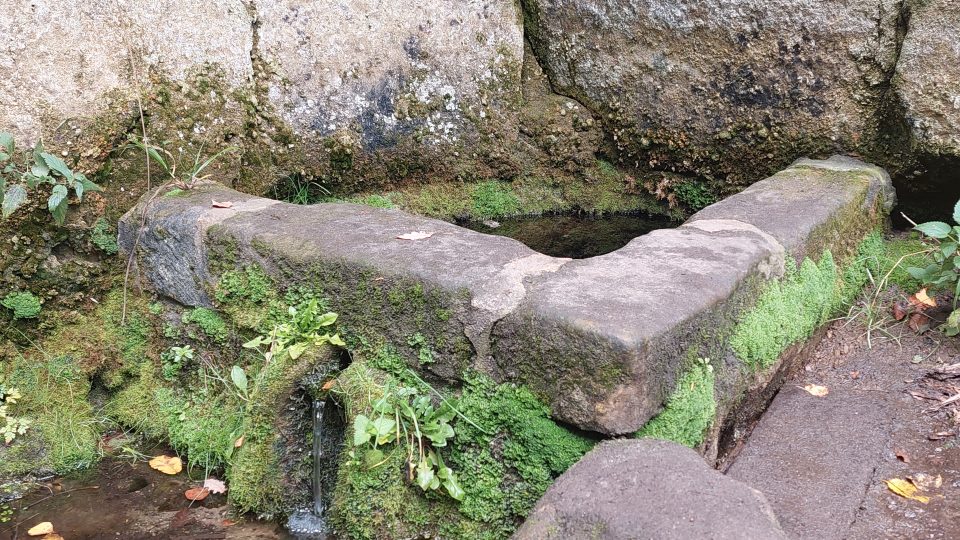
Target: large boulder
317,89
627,489
729,90
928,75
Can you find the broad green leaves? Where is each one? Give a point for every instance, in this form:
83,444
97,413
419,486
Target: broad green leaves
405,415
935,229
943,272
32,170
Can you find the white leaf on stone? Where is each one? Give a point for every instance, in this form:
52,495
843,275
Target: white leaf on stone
415,235
225,204
215,486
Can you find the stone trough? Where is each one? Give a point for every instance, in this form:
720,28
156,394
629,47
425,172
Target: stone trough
601,340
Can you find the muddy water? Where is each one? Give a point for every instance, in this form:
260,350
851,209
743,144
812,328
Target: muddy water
124,499
577,236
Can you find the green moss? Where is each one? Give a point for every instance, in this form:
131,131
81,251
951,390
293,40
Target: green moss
494,199
505,456
788,311
104,237
65,432
694,194
898,255
245,295
689,411
376,201
211,324
127,405
24,305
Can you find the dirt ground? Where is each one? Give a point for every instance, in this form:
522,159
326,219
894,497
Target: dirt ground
823,461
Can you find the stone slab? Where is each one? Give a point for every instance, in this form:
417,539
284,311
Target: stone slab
601,340
631,489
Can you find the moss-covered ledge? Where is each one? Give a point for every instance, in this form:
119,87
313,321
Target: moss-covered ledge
603,341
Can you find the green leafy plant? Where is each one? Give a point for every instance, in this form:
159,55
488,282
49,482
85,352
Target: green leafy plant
405,414
10,426
424,353
174,359
305,328
943,272
182,171
33,169
23,304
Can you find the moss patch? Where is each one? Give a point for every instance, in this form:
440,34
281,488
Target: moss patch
24,305
505,456
207,320
104,237
898,255
788,311
689,410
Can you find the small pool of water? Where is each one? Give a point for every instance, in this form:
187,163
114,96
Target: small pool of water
120,498
577,236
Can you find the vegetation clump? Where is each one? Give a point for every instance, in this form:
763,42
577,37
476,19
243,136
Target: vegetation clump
689,410
788,311
23,304
104,237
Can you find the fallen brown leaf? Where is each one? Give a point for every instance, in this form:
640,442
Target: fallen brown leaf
415,235
919,323
902,456
41,529
816,390
328,385
224,204
239,442
196,494
899,311
166,464
905,489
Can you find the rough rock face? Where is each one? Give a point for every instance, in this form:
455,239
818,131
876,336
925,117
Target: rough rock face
330,86
70,60
928,75
648,489
386,69
702,86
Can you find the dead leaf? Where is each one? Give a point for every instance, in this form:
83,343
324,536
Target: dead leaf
926,482
899,311
224,204
902,456
816,390
239,442
166,464
415,235
214,485
854,374
921,300
905,489
41,529
939,436
919,323
52,536
328,385
196,493
228,523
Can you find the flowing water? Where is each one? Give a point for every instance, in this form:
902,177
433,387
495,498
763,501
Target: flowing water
577,236
310,523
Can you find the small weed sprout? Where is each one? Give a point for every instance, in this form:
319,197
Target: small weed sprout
174,359
182,172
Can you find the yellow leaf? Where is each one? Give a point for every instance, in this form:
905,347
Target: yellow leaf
923,298
905,489
41,529
817,390
166,464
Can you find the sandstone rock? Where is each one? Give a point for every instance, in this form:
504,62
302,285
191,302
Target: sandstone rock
628,489
928,75
722,88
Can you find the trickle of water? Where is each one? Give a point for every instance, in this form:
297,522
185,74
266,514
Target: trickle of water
318,505
310,523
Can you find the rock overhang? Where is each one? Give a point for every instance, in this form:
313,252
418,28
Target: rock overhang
601,340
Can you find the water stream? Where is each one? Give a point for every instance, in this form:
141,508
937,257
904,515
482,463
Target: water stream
310,523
